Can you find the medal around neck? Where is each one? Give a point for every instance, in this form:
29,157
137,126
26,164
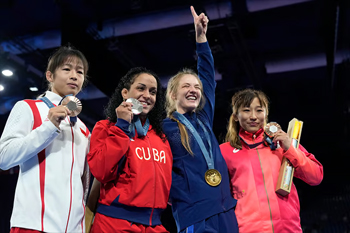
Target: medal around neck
73,104
213,177
137,106
271,129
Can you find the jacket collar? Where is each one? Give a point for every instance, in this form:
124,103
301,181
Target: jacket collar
53,97
251,138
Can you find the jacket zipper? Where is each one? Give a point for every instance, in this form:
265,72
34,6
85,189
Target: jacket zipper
154,175
71,173
262,171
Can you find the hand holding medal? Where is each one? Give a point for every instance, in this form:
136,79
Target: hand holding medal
73,104
69,105
271,129
136,107
128,109
275,134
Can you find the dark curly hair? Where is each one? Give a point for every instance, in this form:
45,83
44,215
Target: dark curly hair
155,116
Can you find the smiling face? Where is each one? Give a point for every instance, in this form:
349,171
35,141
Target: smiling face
144,89
68,78
251,118
188,95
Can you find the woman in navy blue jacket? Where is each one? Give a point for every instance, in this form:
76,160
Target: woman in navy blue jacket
200,193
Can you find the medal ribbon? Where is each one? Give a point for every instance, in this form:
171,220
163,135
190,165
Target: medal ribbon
251,146
267,139
51,105
272,145
208,156
141,130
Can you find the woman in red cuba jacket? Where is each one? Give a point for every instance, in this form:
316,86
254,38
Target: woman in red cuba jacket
131,158
254,168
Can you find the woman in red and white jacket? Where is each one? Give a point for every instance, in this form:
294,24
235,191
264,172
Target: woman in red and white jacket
131,158
50,148
254,168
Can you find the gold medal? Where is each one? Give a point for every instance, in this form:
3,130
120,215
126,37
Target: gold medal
213,177
271,129
73,104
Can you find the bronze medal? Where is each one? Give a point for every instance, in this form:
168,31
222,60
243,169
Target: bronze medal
213,177
271,129
73,104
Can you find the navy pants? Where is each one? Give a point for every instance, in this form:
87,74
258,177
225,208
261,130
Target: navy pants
224,222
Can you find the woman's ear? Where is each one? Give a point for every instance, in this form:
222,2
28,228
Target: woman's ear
49,76
124,93
173,96
235,117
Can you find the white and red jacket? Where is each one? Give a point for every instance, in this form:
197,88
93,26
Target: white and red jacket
254,174
49,195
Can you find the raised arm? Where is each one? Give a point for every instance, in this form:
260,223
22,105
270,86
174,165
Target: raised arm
200,25
205,66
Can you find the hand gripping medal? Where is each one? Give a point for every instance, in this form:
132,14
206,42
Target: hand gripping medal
270,132
136,106
213,177
73,104
271,129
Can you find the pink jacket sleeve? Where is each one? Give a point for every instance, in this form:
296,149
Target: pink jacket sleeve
307,168
107,146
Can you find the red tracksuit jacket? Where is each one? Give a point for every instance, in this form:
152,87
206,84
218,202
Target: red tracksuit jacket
254,174
135,174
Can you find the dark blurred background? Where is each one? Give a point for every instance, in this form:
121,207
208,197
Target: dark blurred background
296,51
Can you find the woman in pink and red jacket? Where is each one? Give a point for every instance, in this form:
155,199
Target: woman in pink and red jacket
254,168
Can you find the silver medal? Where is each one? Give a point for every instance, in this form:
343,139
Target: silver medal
137,106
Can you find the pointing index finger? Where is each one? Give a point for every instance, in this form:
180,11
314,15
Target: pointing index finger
194,14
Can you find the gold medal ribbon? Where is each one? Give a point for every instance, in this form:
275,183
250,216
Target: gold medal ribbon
211,176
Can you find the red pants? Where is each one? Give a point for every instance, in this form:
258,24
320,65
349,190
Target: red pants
23,230
105,224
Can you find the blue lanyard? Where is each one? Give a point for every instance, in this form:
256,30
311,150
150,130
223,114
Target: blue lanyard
208,156
47,102
141,130
51,105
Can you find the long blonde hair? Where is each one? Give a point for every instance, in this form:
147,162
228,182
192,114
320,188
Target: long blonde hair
170,104
243,98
